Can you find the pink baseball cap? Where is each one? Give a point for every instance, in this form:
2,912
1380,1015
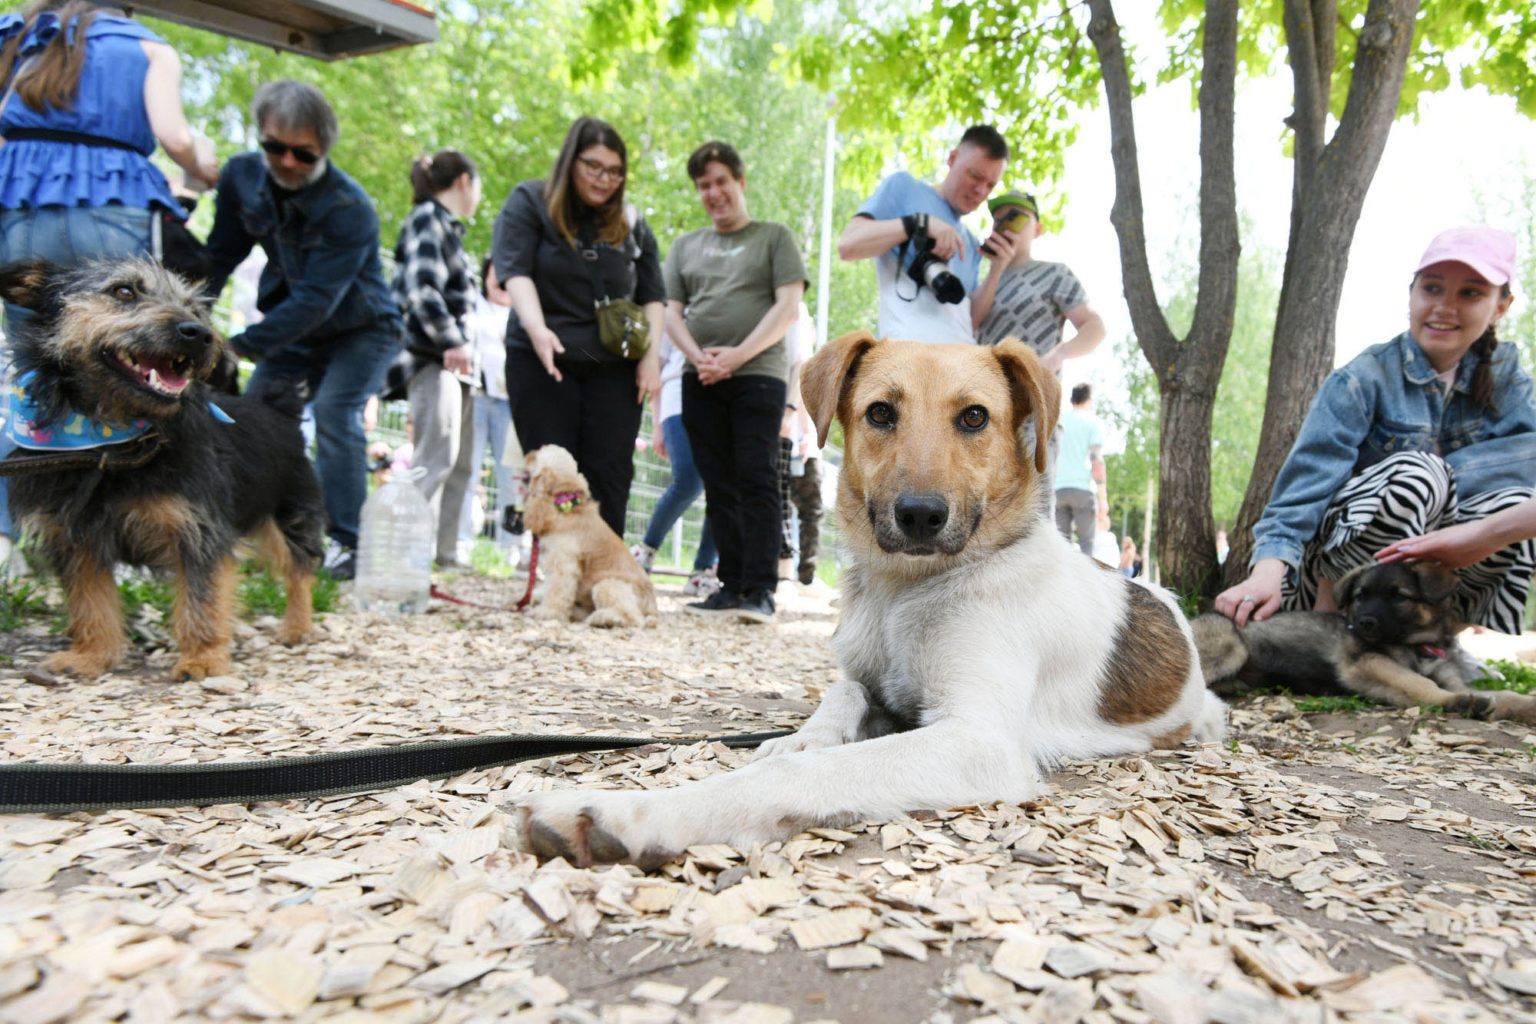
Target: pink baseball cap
1489,251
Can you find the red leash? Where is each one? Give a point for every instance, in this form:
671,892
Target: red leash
533,566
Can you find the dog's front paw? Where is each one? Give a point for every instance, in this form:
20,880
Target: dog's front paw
805,739
586,828
610,618
87,664
545,613
291,635
201,665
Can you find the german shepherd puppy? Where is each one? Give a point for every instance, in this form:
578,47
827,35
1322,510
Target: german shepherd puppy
1394,640
126,345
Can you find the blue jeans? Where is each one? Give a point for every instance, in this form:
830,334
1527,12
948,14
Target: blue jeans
493,418
65,235
686,485
342,373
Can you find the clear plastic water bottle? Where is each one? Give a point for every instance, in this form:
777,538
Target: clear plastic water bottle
394,552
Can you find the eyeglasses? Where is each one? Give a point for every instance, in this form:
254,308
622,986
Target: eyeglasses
302,154
600,171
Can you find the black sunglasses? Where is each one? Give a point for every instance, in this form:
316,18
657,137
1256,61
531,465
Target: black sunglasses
300,153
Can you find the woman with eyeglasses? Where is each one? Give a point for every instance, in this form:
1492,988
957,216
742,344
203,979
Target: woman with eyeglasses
87,94
558,244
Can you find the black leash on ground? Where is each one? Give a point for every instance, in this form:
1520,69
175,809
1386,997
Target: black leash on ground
29,787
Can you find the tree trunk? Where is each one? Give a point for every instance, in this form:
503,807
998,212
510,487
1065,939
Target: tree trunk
1189,370
1328,195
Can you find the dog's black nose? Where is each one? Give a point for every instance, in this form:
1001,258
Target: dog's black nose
1366,625
191,330
921,516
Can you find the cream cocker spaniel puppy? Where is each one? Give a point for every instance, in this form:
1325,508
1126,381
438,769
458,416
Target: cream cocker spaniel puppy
587,568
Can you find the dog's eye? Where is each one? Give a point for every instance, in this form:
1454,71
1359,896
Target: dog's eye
881,414
124,293
972,419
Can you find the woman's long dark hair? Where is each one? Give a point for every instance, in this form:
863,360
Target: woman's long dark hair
560,196
437,173
53,79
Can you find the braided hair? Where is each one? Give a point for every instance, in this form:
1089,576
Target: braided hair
1482,374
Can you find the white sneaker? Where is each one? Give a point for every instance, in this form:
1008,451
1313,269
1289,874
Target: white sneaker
645,555
701,584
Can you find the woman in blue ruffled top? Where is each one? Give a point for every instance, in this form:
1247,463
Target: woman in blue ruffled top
87,93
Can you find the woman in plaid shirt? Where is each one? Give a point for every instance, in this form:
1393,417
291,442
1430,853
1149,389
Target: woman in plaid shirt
435,288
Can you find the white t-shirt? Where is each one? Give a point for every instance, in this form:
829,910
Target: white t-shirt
908,311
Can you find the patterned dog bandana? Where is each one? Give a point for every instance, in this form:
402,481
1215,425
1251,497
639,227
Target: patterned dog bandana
73,430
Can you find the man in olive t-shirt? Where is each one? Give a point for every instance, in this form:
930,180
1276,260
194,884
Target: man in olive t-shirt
733,290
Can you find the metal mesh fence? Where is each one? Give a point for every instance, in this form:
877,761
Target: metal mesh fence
652,475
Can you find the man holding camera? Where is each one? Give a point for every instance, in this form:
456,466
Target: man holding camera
733,290
926,262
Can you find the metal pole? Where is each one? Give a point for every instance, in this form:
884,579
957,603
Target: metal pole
824,270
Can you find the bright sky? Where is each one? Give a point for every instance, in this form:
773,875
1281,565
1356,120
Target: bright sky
1466,150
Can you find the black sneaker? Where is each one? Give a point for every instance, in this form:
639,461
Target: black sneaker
340,561
756,607
719,601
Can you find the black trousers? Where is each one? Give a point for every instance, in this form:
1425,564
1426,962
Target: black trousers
592,414
733,427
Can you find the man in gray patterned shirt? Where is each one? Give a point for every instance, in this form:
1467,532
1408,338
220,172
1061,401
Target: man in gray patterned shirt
1026,298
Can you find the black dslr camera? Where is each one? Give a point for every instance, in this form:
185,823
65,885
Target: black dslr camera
927,268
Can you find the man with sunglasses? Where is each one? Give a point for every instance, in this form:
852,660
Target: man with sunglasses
329,323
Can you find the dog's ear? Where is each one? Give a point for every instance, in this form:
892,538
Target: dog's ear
826,376
1344,589
26,282
1436,582
1036,394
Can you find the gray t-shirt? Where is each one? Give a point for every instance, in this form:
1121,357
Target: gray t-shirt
726,284
1031,304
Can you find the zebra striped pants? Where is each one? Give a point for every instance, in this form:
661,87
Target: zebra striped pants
1405,495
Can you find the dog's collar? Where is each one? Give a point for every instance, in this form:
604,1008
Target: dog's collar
72,431
1431,651
568,501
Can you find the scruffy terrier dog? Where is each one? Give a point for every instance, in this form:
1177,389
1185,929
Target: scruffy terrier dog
124,348
587,567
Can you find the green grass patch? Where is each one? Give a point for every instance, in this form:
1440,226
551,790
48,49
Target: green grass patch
1331,704
1518,677
138,591
260,594
20,599
488,559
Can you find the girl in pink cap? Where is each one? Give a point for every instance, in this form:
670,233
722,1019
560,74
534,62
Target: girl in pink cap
1434,428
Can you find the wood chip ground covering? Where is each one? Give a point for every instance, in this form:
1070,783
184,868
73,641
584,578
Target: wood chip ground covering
1370,867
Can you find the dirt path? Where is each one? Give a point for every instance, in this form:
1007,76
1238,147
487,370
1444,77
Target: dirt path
1375,867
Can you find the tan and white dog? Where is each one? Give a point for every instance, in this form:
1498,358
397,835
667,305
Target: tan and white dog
977,645
588,572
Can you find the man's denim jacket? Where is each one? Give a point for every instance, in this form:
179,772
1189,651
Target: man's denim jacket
1388,399
322,276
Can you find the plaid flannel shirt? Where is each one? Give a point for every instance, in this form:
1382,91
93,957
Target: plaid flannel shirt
433,283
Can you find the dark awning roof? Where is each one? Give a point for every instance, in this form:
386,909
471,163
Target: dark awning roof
326,29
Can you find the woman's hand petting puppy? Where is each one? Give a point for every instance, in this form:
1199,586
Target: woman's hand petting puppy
1466,543
1257,597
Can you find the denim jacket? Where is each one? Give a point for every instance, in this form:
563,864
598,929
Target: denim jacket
322,276
1386,400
